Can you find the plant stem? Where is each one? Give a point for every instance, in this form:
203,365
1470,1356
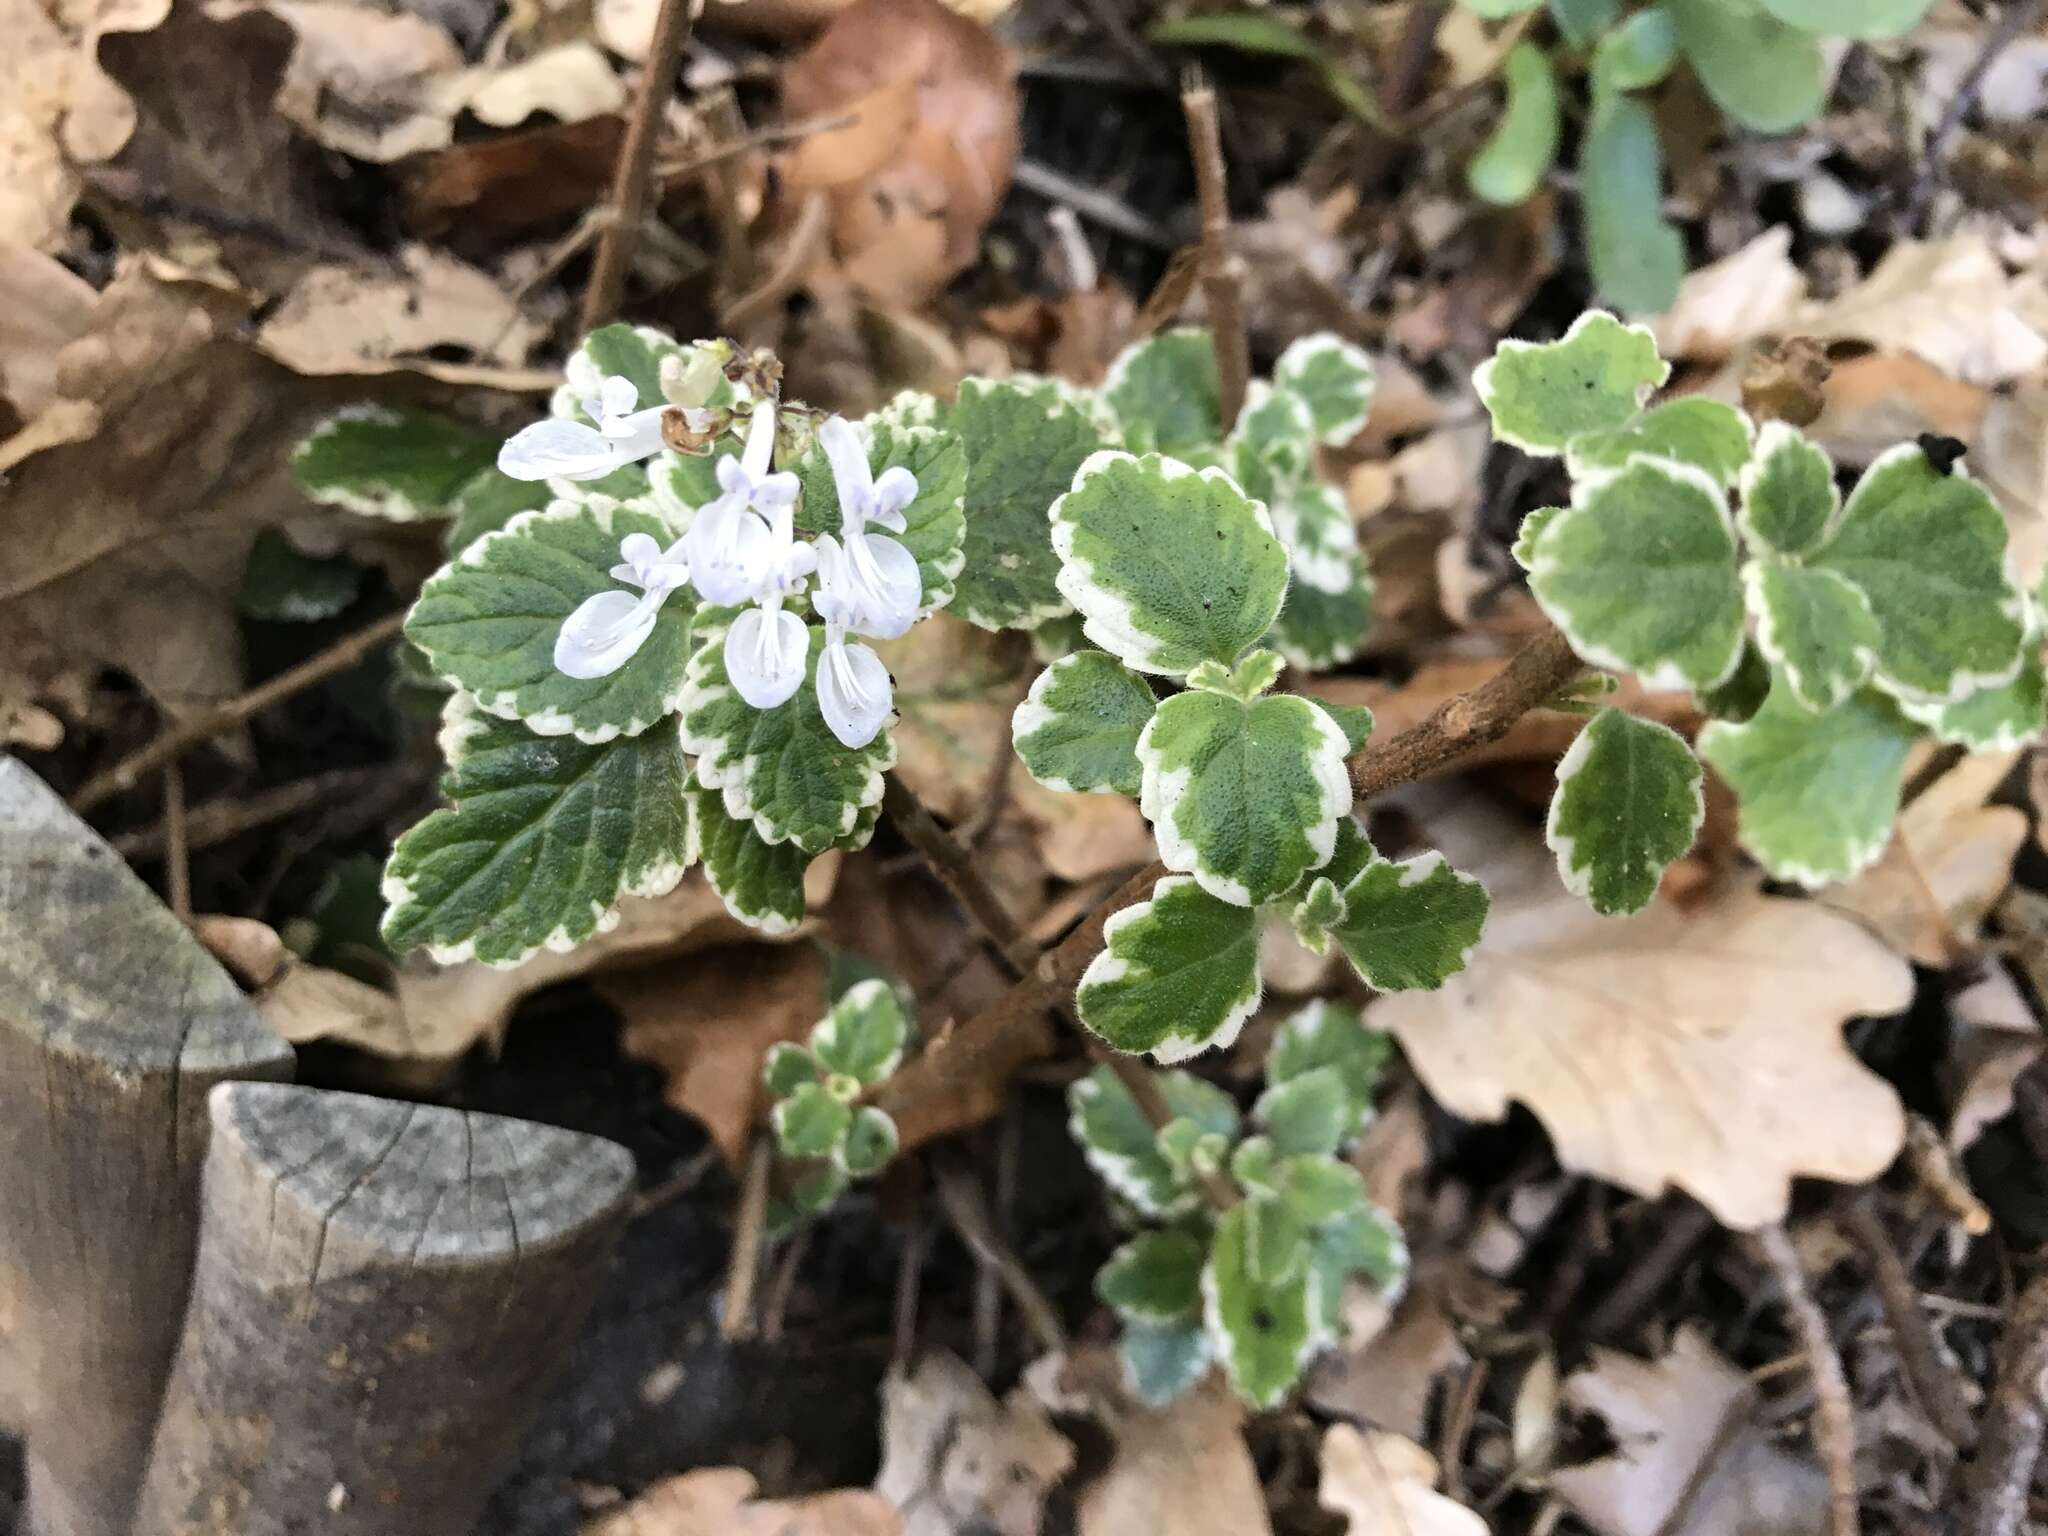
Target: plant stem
1913,1337
635,170
1834,1422
743,1264
1222,270
2010,1445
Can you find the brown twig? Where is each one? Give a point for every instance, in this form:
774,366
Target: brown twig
1222,269
636,164
1999,1481
743,1264
209,723
1919,1351
220,819
177,847
2017,18
1834,1421
961,1200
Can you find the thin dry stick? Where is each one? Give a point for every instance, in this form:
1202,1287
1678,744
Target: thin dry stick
1641,1285
743,1265
636,164
220,819
966,1211
178,854
1222,269
2002,1476
1834,1421
207,724
2018,17
1913,1336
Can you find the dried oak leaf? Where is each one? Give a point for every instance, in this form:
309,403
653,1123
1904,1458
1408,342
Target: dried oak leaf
955,1459
719,1501
1699,1049
1385,1485
368,82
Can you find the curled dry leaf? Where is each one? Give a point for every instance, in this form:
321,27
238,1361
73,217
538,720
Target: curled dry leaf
719,1501
1702,1050
2009,452
915,177
1385,1485
368,82
1721,306
44,307
1950,302
569,83
955,1459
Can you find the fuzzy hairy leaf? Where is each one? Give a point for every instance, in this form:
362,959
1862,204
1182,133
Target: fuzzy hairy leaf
1163,393
1595,377
1412,925
1154,1278
1706,434
1124,1150
1078,728
1160,1363
1319,630
761,883
1272,446
1788,500
543,838
1333,378
864,1034
393,462
1243,795
488,621
1639,572
1628,802
488,501
1178,973
935,527
781,768
1329,1034
1168,566
1815,626
1265,1332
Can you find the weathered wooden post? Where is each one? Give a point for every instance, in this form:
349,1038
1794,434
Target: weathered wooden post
382,1294
114,1023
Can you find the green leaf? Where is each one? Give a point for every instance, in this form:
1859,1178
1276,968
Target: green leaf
935,527
1639,572
281,584
1512,163
1533,524
786,1068
1163,393
1706,434
2001,719
1078,728
781,768
489,618
761,883
864,1034
631,352
1276,1241
1354,720
1929,551
1272,447
1329,1034
1363,1242
1333,378
1814,625
398,463
1583,22
1267,1333
1154,1278
1541,395
1498,10
1637,257
1320,909
489,500
1314,523
1818,793
1160,1363
1762,73
1637,54
1168,566
1628,802
869,1143
1244,796
1850,18
1122,1147
1411,925
1022,452
1788,500
1178,973
811,1122
544,837
1743,694
1318,1188
1309,1112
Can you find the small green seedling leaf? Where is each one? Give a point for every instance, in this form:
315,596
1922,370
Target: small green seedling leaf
1637,54
1309,1112
1163,393
1639,572
934,524
1412,925
788,1067
1788,500
1818,793
761,883
1178,974
1168,566
1154,1278
1512,163
1023,449
1628,802
1706,434
488,622
396,463
864,1034
811,1122
1533,524
1761,72
1160,1363
284,585
1121,1146
869,1143
543,839
1243,795
1078,728
1597,376
1333,378
1319,630
1637,256
1318,1188
1272,447
1326,1034
1815,626
1929,551
1320,909
781,768
1850,18
1266,1332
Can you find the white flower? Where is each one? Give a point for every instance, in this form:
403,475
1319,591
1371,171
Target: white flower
743,544
855,693
571,450
867,581
603,633
766,652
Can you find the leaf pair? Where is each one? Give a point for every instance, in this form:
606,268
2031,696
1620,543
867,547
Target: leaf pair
818,1119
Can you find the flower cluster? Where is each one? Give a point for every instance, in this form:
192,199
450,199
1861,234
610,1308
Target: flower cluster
741,550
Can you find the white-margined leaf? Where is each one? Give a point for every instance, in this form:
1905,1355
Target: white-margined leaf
1712,437
761,883
1178,973
1155,1278
1161,1362
1266,1333
934,528
1124,1150
1597,376
1329,1034
1815,626
1333,378
398,463
1163,394
1411,926
864,1034
1078,728
1788,499
1628,802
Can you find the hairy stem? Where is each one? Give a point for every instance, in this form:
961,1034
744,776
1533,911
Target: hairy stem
1222,270
635,171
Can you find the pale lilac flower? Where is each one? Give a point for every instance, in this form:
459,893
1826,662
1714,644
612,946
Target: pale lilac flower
572,450
604,631
869,582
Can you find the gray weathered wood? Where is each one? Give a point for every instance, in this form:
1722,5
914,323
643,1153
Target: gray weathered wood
114,1023
382,1294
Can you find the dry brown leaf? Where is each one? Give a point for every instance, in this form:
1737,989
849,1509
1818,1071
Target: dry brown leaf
569,83
1996,1037
1874,403
368,82
954,1459
1690,1458
1700,1050
1949,860
1082,837
1387,1373
719,1501
1950,302
956,686
1729,302
44,307
478,198
1385,1485
2009,452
